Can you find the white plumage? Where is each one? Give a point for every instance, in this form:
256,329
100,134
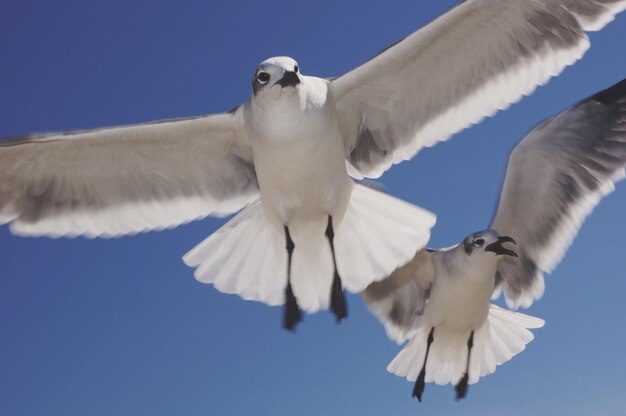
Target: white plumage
241,257
503,335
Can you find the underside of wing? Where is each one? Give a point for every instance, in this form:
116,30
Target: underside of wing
124,180
556,176
478,58
399,300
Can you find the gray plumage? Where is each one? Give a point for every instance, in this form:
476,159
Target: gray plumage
115,181
556,175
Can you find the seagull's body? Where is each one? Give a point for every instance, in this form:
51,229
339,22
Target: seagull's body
460,298
298,148
288,156
440,300
297,130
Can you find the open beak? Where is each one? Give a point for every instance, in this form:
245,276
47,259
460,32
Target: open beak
499,250
289,79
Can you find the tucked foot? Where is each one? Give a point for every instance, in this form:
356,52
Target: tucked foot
461,387
292,314
419,383
418,390
338,304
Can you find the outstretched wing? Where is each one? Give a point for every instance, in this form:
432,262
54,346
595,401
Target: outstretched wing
399,300
126,180
556,175
480,57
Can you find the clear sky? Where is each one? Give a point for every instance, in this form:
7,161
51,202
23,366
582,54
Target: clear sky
121,327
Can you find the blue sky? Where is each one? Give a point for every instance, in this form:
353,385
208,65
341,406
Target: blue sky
120,327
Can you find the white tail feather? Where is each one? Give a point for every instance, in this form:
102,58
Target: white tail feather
247,256
503,335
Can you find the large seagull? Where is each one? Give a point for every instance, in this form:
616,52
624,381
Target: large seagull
289,156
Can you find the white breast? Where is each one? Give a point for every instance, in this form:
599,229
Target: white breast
298,152
459,297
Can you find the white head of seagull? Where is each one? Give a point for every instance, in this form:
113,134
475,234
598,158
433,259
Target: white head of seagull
274,74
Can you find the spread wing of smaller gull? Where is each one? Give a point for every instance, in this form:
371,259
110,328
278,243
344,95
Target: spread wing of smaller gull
290,153
440,300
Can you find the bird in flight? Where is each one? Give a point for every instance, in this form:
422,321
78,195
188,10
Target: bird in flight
555,177
289,155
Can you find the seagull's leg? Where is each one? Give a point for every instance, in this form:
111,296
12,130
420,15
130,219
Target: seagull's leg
419,383
461,387
292,314
337,300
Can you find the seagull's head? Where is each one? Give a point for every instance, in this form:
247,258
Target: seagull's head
487,243
276,74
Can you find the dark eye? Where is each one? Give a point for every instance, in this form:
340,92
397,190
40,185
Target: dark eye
263,77
295,69
479,242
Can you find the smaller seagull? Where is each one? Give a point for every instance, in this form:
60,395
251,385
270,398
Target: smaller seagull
440,301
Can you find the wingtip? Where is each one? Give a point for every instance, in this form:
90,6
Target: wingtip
612,94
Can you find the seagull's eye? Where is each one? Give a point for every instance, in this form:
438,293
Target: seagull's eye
263,77
479,242
296,69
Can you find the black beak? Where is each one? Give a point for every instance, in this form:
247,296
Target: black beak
499,250
290,79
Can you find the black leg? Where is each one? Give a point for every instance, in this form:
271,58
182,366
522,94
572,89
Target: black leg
461,387
338,304
419,383
291,314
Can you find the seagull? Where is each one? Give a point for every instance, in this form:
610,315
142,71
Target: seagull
556,175
289,156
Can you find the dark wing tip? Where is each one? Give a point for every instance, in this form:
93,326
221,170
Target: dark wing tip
611,94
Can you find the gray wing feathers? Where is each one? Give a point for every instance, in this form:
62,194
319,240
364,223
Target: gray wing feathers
399,300
594,14
478,58
125,180
556,175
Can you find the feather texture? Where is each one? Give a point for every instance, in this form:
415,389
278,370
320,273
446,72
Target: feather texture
125,180
247,255
503,335
478,58
567,164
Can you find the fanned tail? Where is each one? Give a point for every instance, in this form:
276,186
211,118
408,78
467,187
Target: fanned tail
502,336
247,256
